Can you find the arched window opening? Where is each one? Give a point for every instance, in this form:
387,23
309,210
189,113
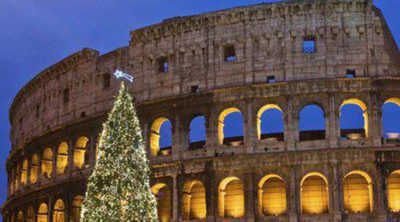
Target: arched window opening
312,123
163,196
314,194
270,125
194,201
353,119
20,216
81,152
391,120
197,134
30,215
393,191
161,137
357,192
24,172
76,208
17,177
272,195
42,213
59,211
47,162
231,198
33,174
230,127
62,158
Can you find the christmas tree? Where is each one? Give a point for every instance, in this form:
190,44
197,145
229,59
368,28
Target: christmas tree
119,189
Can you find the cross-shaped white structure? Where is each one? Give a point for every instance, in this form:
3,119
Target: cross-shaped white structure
119,74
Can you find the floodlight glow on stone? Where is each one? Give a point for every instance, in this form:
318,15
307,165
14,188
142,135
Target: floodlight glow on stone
119,74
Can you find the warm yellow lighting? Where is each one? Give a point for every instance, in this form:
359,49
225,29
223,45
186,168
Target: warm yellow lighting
17,177
34,169
393,191
357,192
231,198
272,195
314,194
221,122
20,217
363,107
76,209
155,135
47,162
80,150
261,112
62,158
393,100
24,173
58,211
30,216
194,200
42,213
163,195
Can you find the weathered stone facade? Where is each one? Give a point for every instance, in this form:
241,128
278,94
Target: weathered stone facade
204,65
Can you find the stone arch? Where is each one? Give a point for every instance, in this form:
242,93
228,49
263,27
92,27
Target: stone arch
42,213
197,132
24,172
163,195
314,194
194,200
272,195
391,119
80,152
59,211
30,214
47,163
312,122
231,198
62,158
34,168
358,192
393,191
157,135
263,116
223,138
20,216
349,133
76,208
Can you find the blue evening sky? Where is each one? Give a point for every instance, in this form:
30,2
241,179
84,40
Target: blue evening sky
37,33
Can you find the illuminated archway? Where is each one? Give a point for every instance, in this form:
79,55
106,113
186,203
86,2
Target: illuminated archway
311,123
391,118
272,195
161,137
20,216
393,191
231,198
163,195
352,113
42,213
47,162
230,126
270,122
197,132
358,192
62,158
17,177
59,211
194,200
76,208
30,215
34,167
24,172
80,152
314,194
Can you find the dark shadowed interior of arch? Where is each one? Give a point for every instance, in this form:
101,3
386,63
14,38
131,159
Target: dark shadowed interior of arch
272,125
351,121
233,128
312,123
166,135
197,135
391,120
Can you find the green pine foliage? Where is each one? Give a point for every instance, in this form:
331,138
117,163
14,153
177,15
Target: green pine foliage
119,187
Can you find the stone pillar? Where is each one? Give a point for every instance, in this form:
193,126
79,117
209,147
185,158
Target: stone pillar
68,201
211,193
39,170
212,137
332,132
249,197
92,149
54,163
290,130
176,138
374,120
249,134
50,209
174,198
379,190
293,197
71,146
336,193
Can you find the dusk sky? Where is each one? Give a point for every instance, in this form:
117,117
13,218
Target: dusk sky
36,33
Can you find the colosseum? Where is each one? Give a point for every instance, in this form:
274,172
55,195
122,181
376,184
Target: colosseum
194,73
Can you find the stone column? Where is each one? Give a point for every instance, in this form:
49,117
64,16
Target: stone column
71,146
336,192
332,132
249,134
290,130
374,120
174,198
378,190
50,209
211,191
68,201
293,197
176,138
249,197
54,163
212,137
39,170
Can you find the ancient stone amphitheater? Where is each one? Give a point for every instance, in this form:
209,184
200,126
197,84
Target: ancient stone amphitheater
192,73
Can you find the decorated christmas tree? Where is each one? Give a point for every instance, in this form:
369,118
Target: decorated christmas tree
119,189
